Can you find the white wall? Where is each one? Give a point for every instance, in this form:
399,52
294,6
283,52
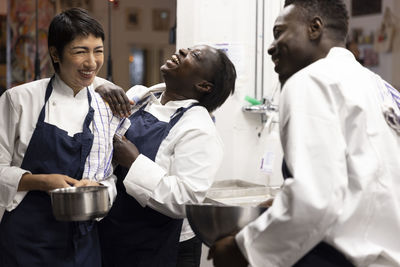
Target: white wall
232,23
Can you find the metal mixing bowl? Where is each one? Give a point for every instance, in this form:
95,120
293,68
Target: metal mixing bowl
80,203
211,222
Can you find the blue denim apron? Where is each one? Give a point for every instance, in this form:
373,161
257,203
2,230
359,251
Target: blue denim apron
30,235
323,254
131,235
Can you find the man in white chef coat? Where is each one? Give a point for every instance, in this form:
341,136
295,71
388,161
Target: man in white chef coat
340,131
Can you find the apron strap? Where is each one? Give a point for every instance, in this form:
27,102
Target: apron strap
179,113
49,90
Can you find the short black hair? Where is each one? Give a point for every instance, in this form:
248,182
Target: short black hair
224,83
333,12
68,25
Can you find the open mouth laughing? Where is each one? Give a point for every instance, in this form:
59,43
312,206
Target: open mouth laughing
175,59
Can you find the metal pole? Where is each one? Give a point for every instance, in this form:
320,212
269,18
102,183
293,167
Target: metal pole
109,61
256,55
262,49
37,59
8,47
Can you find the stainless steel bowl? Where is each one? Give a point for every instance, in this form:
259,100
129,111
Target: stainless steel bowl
211,222
80,203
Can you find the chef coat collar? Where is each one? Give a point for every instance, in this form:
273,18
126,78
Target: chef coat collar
174,103
62,88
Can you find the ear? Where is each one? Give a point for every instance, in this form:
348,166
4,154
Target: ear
54,54
204,86
315,28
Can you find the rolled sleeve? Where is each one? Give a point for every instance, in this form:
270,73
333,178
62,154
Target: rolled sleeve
9,175
185,166
112,189
142,179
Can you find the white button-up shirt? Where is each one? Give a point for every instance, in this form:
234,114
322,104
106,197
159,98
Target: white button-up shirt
185,165
345,161
19,111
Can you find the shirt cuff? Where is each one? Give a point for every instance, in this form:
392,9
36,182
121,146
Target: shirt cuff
123,127
142,178
111,187
9,197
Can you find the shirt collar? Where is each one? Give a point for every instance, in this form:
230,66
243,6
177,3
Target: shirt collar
175,103
62,88
339,51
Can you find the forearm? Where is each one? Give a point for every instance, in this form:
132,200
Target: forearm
9,181
30,182
166,192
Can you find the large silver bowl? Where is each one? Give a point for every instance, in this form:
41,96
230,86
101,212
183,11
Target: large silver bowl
211,222
80,203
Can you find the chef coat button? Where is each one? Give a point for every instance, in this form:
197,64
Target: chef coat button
54,103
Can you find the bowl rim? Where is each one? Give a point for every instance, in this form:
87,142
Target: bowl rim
80,189
214,206
222,205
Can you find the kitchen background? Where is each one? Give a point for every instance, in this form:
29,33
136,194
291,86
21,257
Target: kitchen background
141,35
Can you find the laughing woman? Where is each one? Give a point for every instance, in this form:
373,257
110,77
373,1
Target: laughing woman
168,158
48,129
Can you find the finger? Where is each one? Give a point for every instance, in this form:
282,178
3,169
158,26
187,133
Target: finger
114,104
111,105
115,100
117,139
82,182
100,90
70,181
86,182
124,102
79,184
107,98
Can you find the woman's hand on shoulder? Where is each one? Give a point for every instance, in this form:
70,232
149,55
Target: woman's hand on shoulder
116,98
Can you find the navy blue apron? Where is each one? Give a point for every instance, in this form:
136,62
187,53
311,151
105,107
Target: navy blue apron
30,235
131,235
323,254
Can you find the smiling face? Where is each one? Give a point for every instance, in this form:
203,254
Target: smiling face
188,68
80,61
292,48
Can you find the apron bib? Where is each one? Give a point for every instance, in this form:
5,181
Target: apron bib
30,235
131,235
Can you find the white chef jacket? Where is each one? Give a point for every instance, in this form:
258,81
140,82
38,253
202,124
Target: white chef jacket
345,164
185,165
19,111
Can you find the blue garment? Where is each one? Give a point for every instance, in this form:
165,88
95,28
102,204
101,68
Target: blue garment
29,235
131,235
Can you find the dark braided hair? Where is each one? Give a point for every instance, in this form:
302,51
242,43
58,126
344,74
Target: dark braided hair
224,83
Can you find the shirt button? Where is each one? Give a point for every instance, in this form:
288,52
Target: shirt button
54,103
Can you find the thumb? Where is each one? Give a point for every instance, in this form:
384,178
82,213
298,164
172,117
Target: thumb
70,181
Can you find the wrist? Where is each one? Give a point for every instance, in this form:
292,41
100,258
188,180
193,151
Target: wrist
30,181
